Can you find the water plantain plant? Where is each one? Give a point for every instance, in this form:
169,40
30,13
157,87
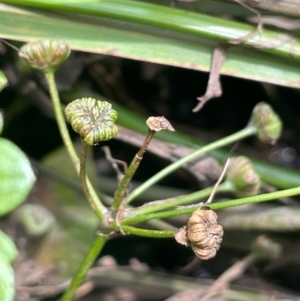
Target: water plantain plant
94,120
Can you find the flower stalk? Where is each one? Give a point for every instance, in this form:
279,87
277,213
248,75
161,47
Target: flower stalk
97,204
86,264
155,124
214,206
246,132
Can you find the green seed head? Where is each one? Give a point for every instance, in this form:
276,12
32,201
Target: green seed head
94,120
243,177
268,123
45,54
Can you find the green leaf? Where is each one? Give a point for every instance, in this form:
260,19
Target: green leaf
3,80
148,32
8,250
16,176
7,281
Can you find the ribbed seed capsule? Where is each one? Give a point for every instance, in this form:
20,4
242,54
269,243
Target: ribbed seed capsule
94,120
45,53
202,233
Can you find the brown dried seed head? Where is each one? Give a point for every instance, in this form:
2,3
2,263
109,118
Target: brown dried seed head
205,254
159,123
203,233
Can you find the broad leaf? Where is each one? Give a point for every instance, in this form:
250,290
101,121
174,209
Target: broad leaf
16,176
7,281
8,250
154,33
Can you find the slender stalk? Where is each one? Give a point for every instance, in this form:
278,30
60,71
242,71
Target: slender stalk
180,200
84,183
101,210
246,132
148,233
215,206
121,192
84,267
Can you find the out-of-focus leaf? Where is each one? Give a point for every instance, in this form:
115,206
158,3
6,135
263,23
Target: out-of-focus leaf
7,281
3,80
8,250
1,122
186,42
16,176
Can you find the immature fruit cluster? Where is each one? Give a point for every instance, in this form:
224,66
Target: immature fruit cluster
202,233
93,119
45,53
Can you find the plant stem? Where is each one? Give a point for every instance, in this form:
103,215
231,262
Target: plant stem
101,210
121,192
83,179
246,132
88,261
148,233
180,200
214,206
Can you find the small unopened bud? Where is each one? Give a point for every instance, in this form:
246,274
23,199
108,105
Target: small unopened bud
45,54
159,123
94,120
268,123
242,175
265,248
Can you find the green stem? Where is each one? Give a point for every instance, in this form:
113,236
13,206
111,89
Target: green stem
148,233
180,200
101,210
83,178
84,267
246,132
214,206
121,192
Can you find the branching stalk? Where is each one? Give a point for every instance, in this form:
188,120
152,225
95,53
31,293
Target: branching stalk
148,233
180,200
215,206
246,132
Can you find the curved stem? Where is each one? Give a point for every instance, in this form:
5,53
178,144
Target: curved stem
83,178
215,206
84,267
246,132
68,142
